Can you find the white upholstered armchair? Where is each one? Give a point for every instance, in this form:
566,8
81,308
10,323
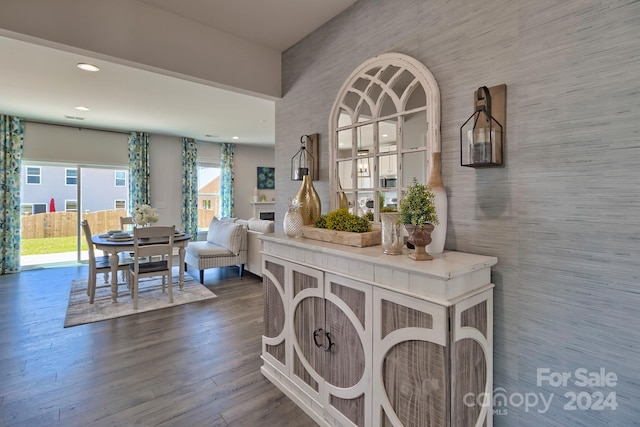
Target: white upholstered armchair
226,245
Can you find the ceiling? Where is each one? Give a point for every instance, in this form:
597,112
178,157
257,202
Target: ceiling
43,84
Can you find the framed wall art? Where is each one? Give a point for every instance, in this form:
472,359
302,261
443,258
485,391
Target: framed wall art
266,178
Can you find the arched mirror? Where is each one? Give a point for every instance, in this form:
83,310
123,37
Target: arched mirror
384,125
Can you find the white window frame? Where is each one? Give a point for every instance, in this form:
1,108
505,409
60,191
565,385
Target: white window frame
66,205
27,175
115,178
213,166
67,177
123,201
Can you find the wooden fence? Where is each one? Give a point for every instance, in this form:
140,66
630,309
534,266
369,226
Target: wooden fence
62,224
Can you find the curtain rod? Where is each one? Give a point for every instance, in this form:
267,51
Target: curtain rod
76,127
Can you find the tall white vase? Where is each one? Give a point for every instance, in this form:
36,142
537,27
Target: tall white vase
439,234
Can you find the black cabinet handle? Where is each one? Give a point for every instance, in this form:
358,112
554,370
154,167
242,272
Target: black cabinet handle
331,343
316,332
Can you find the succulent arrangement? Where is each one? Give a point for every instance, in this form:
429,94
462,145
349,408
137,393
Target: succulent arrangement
342,220
418,205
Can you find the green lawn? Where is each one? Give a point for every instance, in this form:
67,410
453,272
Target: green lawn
50,245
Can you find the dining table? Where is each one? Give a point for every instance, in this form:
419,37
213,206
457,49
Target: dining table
114,246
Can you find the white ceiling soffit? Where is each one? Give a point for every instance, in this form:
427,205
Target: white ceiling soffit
43,84
278,24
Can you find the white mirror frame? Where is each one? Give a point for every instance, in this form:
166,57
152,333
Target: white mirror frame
370,71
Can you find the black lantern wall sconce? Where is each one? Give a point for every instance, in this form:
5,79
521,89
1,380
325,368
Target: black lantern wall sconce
482,135
305,161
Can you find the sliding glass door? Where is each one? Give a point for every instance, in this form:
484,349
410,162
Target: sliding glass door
103,199
55,197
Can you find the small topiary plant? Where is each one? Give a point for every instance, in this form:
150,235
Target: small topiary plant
342,220
418,205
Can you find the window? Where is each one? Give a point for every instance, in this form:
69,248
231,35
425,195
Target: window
120,204
70,176
208,193
33,175
121,179
26,209
71,206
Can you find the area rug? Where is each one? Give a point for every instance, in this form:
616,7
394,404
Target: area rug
150,297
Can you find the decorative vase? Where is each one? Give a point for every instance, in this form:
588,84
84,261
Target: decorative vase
292,224
439,234
309,200
392,236
419,237
343,202
255,195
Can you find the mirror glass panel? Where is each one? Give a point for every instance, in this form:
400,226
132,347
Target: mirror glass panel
364,115
388,170
402,82
365,204
388,73
388,107
414,130
365,139
344,119
414,164
389,198
344,175
365,172
416,99
345,144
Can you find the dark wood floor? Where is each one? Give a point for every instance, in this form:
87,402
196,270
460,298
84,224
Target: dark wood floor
190,365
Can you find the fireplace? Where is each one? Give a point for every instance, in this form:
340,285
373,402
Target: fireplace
271,216
264,210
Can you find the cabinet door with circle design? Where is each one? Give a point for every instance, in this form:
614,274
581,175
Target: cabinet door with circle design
348,374
307,311
410,367
274,301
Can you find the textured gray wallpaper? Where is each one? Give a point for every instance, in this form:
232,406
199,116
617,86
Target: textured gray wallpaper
563,215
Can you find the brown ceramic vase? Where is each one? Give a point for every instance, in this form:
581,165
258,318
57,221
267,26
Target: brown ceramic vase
420,237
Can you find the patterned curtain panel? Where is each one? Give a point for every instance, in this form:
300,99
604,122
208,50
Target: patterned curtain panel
11,143
226,180
190,186
138,169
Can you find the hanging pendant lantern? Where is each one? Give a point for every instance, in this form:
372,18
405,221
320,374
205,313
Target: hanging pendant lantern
303,162
481,136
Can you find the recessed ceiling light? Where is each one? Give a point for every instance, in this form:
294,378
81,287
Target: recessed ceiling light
81,108
88,67
235,137
384,135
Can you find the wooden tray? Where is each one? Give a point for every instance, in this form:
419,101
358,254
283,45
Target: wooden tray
360,240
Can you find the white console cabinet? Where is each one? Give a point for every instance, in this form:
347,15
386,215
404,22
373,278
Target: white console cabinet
358,338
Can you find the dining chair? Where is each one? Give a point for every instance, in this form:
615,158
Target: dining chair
126,224
147,243
126,220
98,264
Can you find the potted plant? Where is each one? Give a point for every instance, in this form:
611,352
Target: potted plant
418,214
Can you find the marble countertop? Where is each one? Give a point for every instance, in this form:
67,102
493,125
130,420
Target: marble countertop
446,265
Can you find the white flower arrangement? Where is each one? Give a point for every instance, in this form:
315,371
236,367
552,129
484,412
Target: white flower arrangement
144,215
